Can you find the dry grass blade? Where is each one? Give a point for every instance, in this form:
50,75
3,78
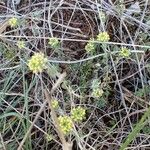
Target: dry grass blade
2,142
130,97
3,27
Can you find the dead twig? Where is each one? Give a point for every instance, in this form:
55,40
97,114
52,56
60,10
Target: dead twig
2,142
130,97
66,145
3,26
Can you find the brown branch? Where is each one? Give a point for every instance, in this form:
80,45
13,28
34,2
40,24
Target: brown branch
65,145
3,26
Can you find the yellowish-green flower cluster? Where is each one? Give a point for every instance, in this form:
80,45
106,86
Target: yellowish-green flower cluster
90,46
54,42
55,104
97,92
103,37
13,22
65,124
21,44
78,114
37,63
49,137
125,52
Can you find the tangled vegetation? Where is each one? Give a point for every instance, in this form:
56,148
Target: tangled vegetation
74,75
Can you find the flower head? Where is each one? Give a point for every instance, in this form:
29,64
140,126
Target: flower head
13,22
125,52
37,62
49,137
55,104
65,124
97,92
90,46
103,37
78,114
54,42
21,44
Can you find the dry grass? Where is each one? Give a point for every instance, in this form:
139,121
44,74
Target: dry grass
25,118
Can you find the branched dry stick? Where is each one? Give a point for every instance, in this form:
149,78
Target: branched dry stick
59,81
3,26
66,145
130,97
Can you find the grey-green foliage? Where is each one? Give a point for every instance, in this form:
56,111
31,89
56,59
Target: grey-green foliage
95,84
143,91
101,102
